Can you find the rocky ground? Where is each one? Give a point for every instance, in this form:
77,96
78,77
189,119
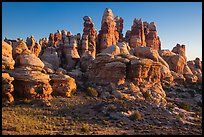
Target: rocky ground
82,114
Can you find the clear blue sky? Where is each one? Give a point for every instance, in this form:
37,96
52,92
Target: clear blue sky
177,22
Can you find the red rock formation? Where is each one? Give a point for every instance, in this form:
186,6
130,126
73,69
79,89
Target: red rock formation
102,70
63,85
89,35
127,36
70,53
196,68
137,37
181,50
119,26
51,40
18,48
119,70
176,62
108,34
7,59
7,88
150,53
33,45
151,37
50,55
57,38
30,82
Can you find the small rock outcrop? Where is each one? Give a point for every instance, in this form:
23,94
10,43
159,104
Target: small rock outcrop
62,85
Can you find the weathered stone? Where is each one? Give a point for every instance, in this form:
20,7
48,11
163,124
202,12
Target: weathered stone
166,74
137,37
178,78
89,37
147,52
50,55
124,47
108,34
62,85
181,50
31,84
33,45
61,71
102,70
85,61
175,61
29,60
70,53
119,26
7,59
114,50
7,88
18,48
151,37
190,78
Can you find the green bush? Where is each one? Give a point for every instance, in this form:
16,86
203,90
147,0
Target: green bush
136,115
85,128
92,91
184,105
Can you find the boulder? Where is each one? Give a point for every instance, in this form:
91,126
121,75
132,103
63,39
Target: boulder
147,52
62,85
50,55
18,48
114,50
124,47
29,60
104,70
31,84
175,61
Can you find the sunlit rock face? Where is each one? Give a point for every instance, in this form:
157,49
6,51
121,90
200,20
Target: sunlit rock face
7,59
119,25
120,69
151,36
33,45
29,82
108,35
137,37
63,85
7,88
89,37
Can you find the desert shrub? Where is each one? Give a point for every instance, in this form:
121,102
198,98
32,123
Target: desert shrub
146,95
85,128
111,108
92,91
184,105
136,115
